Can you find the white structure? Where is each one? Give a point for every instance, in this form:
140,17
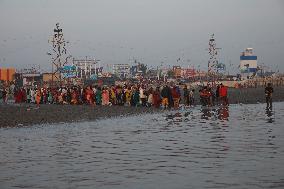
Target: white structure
121,70
248,63
86,68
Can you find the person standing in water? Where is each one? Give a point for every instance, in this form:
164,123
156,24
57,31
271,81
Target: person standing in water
186,96
268,95
223,94
191,97
165,94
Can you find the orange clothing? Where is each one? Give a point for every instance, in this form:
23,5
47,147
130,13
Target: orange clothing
89,95
38,97
165,102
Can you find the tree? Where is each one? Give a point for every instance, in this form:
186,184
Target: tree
171,74
143,68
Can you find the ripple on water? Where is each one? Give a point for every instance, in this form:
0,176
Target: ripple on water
240,146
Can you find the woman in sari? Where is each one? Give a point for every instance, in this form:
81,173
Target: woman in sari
89,96
128,96
38,97
105,96
74,97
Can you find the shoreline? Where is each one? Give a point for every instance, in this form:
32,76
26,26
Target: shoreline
19,115
253,95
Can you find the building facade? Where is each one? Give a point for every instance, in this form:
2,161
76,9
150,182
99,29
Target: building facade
248,63
7,74
121,70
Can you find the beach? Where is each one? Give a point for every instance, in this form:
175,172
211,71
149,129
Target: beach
253,95
19,115
25,114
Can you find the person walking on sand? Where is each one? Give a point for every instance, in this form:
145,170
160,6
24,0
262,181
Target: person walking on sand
5,94
38,97
98,96
89,95
105,97
268,95
128,96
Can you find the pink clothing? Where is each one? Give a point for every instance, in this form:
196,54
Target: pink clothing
105,97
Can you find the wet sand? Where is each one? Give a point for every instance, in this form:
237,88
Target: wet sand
253,95
18,115
24,114
249,95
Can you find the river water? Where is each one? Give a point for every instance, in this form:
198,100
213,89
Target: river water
237,147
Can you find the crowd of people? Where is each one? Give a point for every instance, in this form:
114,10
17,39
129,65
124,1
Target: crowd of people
166,95
209,98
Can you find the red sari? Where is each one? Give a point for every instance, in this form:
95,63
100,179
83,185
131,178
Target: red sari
156,99
89,95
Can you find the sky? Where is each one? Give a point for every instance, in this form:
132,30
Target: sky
151,31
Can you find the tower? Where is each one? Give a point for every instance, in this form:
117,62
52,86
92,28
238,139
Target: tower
213,54
59,57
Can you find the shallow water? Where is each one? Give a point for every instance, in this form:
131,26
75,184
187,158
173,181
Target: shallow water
236,147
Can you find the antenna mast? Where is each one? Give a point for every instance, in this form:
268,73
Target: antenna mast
213,53
59,58
213,61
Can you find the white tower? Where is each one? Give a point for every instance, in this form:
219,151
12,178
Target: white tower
248,63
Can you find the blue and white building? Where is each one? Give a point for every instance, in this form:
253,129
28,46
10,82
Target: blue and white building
121,70
248,63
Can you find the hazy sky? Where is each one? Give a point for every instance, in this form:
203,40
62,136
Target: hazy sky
152,31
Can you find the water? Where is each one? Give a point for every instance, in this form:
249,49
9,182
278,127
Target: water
238,147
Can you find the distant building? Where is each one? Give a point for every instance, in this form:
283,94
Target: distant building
121,70
152,73
47,77
7,74
138,70
85,69
177,71
188,73
248,63
27,79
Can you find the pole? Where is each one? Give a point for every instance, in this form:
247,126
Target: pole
90,70
86,68
52,75
96,68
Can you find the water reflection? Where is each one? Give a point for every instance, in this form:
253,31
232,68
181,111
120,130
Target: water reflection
174,117
270,115
188,148
221,113
207,113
